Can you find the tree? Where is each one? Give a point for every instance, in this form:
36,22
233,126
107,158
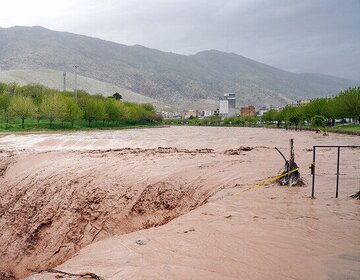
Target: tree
3,87
11,88
4,106
296,116
273,115
41,102
22,107
269,116
318,121
348,103
117,96
94,110
286,113
321,107
38,114
149,107
73,111
53,107
35,91
100,110
111,110
250,120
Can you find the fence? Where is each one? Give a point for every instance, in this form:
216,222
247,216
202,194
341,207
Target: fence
313,165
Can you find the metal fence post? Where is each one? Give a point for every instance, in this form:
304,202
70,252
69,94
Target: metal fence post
313,173
337,172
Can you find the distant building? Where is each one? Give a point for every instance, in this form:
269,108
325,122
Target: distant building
262,111
275,108
224,107
170,115
207,113
231,97
247,111
227,105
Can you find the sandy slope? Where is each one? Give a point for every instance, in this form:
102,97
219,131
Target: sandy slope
60,193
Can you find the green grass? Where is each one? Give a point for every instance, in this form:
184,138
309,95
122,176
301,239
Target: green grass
31,125
347,127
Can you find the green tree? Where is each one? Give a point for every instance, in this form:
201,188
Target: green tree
117,96
296,116
22,107
11,88
3,87
94,109
269,116
53,107
318,121
348,103
4,106
321,106
38,114
286,113
273,116
73,111
100,110
111,110
122,112
250,119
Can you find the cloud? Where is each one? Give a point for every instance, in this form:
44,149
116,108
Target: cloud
303,36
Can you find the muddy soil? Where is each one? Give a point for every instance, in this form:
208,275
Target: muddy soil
61,192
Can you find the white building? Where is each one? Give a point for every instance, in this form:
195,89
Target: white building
224,107
262,111
207,113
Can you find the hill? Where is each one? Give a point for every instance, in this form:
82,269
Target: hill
183,81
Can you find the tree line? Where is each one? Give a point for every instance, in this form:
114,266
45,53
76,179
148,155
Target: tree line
320,112
42,103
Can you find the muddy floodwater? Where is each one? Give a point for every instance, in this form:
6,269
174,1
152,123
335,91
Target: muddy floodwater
175,203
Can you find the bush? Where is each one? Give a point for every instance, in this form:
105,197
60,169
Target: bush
318,121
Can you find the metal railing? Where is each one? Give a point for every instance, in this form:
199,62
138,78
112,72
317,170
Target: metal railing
313,165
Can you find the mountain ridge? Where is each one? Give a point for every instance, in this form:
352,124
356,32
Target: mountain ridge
176,79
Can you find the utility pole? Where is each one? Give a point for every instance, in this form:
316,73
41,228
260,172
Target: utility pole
64,75
75,72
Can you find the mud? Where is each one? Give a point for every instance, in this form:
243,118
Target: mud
51,210
172,189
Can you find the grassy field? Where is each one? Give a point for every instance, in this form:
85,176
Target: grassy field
347,127
31,125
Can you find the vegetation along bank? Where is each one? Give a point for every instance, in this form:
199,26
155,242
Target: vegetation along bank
338,114
36,107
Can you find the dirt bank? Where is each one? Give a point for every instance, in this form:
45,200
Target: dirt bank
55,203
60,193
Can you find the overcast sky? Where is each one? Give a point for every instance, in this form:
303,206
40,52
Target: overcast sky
321,36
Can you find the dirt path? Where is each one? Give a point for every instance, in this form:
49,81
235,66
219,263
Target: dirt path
60,193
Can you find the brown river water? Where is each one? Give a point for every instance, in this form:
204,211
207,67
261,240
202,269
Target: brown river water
159,203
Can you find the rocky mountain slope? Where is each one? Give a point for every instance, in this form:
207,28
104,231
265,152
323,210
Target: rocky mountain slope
180,80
